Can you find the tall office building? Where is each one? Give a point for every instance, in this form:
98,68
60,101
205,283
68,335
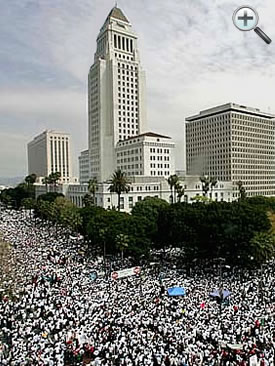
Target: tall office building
116,93
233,143
50,152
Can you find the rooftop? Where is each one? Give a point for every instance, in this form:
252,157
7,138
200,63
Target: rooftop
230,107
147,134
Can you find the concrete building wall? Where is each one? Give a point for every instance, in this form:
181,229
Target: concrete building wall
38,156
50,152
116,93
233,143
148,186
148,154
84,166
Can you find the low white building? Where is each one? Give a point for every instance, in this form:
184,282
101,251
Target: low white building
148,154
223,191
140,188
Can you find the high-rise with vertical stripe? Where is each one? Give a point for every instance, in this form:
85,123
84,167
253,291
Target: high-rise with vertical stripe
116,93
50,152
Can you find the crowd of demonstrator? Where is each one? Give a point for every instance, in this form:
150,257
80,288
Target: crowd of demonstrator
59,315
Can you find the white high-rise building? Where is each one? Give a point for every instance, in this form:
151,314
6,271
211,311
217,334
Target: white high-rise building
233,143
116,93
50,152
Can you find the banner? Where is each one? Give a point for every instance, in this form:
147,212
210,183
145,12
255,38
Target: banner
125,273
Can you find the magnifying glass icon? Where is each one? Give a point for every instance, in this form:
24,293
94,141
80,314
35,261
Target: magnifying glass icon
245,18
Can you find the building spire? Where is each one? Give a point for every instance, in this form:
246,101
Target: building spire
118,14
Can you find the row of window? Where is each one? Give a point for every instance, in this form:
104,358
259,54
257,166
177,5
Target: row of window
165,158
123,43
159,173
129,152
159,166
159,151
124,57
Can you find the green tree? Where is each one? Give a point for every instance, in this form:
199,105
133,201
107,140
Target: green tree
30,180
262,247
17,194
45,210
114,223
46,181
93,187
29,204
50,196
87,200
215,229
70,217
213,182
201,199
179,190
53,179
207,184
88,213
242,192
122,243
5,197
149,210
173,181
119,184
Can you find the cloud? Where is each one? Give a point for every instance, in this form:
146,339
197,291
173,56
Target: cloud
27,112
193,56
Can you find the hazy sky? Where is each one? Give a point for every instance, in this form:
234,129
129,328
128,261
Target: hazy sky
193,55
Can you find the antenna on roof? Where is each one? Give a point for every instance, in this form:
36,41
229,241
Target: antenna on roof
116,4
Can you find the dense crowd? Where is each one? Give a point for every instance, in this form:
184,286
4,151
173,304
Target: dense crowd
59,315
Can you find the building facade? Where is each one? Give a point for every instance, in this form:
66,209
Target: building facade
116,93
148,154
142,187
233,143
50,152
83,163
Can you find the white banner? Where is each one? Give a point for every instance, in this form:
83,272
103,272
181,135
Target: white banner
125,273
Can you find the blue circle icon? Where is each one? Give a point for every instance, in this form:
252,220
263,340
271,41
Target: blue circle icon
245,18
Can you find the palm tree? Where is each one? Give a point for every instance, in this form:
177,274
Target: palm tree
172,181
205,180
54,178
213,182
119,184
92,187
242,192
122,243
30,179
46,181
180,191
